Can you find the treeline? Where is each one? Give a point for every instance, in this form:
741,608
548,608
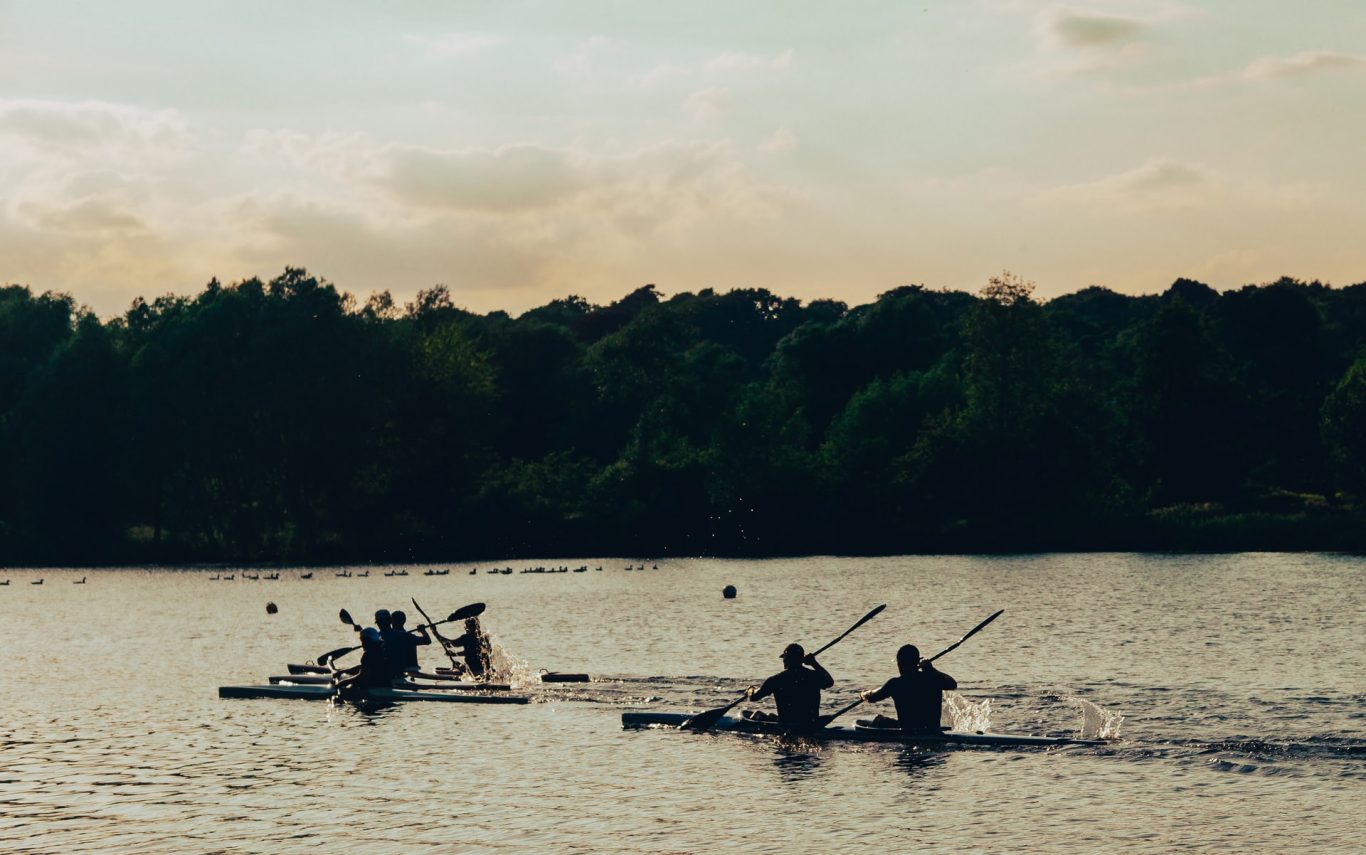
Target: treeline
285,421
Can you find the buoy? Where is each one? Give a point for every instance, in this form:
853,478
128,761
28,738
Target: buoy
271,608
728,592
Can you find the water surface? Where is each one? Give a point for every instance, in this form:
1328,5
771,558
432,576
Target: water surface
1239,679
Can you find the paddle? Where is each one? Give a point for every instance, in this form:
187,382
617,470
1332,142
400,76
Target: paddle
462,613
346,619
706,720
826,719
445,644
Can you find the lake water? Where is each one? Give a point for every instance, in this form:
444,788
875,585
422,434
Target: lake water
1240,679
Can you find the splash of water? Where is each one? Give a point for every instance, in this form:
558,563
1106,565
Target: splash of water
965,715
508,668
1098,722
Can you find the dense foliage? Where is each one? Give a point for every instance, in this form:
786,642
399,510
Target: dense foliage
284,421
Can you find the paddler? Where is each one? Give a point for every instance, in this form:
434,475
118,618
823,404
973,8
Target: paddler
918,693
373,671
475,648
400,645
796,690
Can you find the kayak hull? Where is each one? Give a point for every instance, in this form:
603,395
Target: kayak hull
557,677
323,693
296,668
443,685
856,734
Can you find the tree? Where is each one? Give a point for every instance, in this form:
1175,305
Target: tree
1344,428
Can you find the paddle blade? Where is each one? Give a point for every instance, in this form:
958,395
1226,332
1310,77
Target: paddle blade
326,658
346,617
708,719
464,612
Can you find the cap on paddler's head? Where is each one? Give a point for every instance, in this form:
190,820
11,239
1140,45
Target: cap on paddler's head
908,657
370,635
794,650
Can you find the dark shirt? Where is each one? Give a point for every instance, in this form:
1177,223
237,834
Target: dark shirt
919,698
474,647
400,646
797,694
374,670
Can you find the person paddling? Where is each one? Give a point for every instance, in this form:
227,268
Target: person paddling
796,690
400,645
475,648
918,693
372,672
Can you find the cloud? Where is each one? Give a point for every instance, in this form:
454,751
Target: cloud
339,155
580,61
1159,184
707,105
782,140
492,180
454,44
723,66
1073,41
1083,29
1303,64
90,128
736,61
1165,185
93,214
561,219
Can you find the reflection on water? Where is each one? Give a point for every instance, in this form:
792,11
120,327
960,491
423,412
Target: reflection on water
919,763
795,760
113,738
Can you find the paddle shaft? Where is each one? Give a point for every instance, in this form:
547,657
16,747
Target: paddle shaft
444,644
342,651
872,614
970,633
704,720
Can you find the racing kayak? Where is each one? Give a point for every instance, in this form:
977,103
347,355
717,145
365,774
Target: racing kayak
860,733
322,693
448,685
557,677
295,668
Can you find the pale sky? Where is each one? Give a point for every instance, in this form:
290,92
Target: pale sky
523,151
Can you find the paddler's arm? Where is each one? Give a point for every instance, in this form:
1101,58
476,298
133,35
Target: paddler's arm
420,637
945,681
826,680
762,692
875,695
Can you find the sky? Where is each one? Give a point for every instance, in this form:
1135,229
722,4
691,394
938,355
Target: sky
519,152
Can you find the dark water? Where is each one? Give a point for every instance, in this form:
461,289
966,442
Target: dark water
1240,680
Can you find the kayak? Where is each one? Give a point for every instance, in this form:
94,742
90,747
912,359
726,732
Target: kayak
322,693
295,668
449,685
556,677
860,733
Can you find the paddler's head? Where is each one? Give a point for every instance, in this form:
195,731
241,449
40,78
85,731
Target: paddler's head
908,659
382,619
398,619
792,656
370,638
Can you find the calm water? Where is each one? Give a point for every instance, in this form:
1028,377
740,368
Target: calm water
1240,680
